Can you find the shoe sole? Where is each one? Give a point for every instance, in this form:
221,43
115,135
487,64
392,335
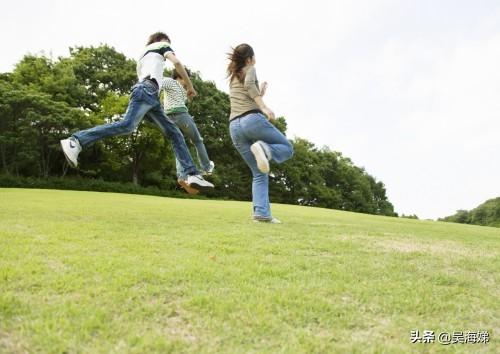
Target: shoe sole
199,187
260,157
71,163
263,221
187,187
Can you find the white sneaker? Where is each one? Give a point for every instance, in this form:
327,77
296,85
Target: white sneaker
71,148
260,157
270,220
197,182
210,169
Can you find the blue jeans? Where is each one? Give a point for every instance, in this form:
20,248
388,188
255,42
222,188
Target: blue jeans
144,101
188,127
244,132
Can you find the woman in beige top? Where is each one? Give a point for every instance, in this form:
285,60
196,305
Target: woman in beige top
255,138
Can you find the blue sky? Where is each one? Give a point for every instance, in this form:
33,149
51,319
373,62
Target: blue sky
408,89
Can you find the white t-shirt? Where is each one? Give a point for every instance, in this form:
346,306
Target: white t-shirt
152,61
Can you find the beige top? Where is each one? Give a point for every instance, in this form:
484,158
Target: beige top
242,95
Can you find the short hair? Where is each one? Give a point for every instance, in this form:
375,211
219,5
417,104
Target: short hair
157,37
175,75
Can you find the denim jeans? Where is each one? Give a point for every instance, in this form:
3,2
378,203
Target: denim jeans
244,132
188,127
144,101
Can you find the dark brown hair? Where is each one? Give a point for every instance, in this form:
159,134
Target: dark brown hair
175,75
157,37
238,60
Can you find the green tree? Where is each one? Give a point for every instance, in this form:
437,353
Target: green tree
101,70
31,125
56,79
210,110
486,214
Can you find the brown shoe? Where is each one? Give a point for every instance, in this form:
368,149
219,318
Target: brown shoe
187,187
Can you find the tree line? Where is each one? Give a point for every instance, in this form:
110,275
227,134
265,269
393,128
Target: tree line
486,214
44,100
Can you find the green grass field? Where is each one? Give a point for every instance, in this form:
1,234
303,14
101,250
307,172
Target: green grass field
84,272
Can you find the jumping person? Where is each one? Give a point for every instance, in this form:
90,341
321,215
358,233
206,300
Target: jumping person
255,138
174,103
144,101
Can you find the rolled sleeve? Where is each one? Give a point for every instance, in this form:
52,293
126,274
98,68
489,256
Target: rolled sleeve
251,84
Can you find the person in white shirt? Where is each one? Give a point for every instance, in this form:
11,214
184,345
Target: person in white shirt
144,101
174,103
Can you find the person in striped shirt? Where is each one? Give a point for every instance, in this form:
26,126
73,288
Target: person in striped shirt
174,103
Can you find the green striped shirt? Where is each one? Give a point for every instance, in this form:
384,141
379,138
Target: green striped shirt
175,97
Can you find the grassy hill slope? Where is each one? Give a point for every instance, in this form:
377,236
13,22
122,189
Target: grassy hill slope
101,272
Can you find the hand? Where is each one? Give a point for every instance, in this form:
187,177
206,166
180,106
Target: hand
263,88
191,92
269,113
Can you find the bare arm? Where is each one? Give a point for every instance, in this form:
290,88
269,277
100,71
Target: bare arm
191,92
267,111
263,88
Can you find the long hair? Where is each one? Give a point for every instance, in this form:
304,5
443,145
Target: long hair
157,37
238,60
